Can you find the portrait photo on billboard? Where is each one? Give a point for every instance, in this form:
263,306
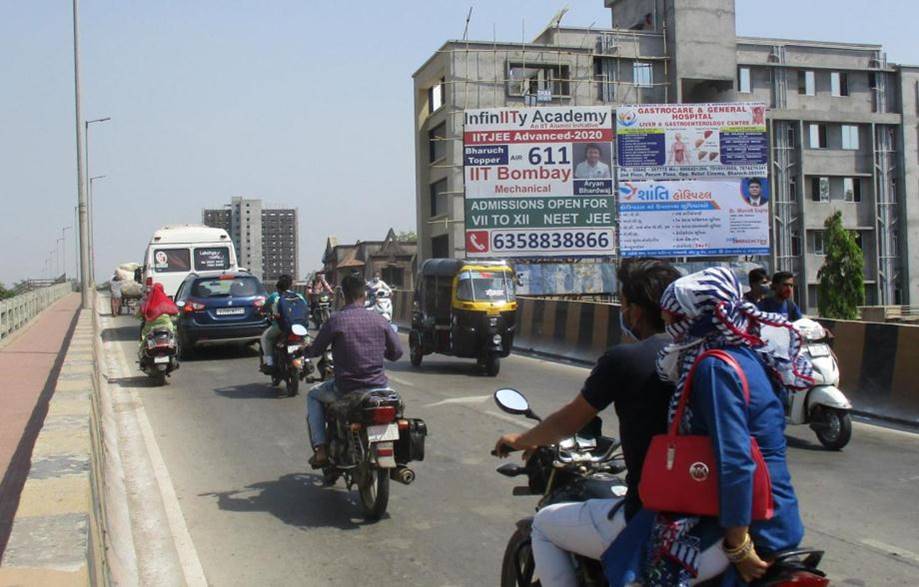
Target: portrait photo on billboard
755,191
592,160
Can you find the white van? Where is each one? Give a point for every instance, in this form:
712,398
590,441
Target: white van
176,251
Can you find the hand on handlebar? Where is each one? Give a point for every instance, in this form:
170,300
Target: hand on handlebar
508,444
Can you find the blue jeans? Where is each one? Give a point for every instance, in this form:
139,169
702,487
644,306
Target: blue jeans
316,399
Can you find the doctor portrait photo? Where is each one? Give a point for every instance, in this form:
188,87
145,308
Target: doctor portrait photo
755,191
593,161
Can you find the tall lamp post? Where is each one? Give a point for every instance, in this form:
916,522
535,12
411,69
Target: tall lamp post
64,248
92,243
86,298
92,260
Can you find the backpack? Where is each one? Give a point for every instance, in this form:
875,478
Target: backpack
292,310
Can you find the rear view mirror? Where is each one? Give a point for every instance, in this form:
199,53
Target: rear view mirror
180,304
512,401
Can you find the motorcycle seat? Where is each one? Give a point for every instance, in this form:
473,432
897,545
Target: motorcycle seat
361,398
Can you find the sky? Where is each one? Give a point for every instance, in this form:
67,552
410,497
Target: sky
300,103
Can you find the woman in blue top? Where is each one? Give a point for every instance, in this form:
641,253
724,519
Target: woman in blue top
706,311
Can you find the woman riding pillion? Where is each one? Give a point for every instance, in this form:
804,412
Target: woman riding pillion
157,312
705,312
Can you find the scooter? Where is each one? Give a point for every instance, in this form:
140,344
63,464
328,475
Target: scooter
157,357
824,407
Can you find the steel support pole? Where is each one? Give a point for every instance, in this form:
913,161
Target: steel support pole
81,187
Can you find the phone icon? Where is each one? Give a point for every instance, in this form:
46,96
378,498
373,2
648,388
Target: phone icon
477,241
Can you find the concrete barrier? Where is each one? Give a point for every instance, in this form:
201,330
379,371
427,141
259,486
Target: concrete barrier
17,311
878,362
57,534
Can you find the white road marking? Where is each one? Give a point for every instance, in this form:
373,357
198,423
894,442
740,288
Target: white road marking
516,421
472,399
185,547
891,549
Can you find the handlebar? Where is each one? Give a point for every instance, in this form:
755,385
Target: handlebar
505,449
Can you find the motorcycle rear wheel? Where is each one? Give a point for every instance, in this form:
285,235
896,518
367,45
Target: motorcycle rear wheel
293,383
374,493
518,561
159,379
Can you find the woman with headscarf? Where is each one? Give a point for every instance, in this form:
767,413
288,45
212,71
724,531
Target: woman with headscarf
706,311
157,311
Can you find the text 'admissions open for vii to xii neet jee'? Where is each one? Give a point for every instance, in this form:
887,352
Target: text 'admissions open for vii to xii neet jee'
690,180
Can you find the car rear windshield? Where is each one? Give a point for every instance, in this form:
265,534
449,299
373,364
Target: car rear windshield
238,287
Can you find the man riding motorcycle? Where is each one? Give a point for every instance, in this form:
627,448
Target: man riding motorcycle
271,334
377,285
626,376
360,341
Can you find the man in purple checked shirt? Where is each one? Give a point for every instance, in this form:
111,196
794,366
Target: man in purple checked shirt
360,341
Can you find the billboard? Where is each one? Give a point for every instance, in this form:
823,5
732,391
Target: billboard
688,141
692,179
538,182
539,279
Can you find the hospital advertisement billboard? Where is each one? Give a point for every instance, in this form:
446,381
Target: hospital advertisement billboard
538,182
692,179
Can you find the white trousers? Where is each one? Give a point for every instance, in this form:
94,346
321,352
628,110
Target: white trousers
584,528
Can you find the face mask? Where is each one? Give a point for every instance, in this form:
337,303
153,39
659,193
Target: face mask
624,328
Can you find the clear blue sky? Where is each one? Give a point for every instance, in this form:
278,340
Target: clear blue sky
301,103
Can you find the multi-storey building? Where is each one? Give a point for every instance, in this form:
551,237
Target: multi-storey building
839,123
265,237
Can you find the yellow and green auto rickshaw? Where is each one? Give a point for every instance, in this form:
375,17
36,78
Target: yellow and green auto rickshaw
464,308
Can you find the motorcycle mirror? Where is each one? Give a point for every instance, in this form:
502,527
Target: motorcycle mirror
298,329
180,304
512,401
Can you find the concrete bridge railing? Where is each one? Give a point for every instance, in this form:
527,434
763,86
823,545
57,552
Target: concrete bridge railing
16,312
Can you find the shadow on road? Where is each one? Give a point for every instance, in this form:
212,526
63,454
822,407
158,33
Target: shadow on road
122,333
217,352
136,382
297,499
795,442
249,391
437,368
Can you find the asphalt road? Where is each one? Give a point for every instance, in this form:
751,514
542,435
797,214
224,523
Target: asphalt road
236,457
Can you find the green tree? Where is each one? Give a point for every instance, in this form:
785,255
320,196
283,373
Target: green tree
842,277
406,236
5,293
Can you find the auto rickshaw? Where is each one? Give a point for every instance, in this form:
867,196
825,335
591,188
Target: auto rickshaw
466,309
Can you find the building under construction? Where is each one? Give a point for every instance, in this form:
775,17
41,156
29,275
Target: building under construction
841,123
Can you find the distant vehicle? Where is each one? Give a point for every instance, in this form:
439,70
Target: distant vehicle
176,251
221,308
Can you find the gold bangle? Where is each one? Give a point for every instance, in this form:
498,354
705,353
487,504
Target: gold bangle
740,553
738,548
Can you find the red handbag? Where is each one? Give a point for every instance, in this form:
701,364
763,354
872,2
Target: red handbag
680,473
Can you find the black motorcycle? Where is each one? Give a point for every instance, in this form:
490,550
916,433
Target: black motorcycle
322,310
585,467
158,355
370,442
290,366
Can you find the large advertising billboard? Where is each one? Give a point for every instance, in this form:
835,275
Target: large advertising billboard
538,182
692,179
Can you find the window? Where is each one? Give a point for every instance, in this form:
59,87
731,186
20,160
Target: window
440,247
212,258
817,246
529,79
795,244
817,136
820,189
171,260
850,137
743,80
792,189
642,74
438,206
807,85
852,189
437,142
858,239
839,84
436,96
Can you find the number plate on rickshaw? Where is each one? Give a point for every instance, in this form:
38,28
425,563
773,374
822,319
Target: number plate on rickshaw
162,359
383,432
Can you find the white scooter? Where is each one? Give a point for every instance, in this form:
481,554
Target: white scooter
824,406
379,301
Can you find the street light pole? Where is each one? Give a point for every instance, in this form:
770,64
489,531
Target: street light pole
92,244
64,248
92,258
81,190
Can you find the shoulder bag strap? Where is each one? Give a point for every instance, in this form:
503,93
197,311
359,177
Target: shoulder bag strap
687,388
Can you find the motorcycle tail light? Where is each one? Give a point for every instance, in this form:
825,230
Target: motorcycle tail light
403,424
294,338
383,415
802,579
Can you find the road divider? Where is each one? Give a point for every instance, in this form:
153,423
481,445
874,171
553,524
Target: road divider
880,371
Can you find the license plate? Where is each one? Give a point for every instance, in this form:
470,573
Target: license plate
383,432
818,350
230,311
293,348
160,359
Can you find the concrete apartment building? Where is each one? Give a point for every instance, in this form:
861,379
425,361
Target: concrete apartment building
841,121
265,237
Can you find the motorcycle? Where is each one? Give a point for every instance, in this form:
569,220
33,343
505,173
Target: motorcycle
158,355
379,301
371,443
576,469
322,310
325,367
290,366
824,406
586,467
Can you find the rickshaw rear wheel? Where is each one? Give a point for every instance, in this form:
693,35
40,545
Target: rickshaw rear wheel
415,352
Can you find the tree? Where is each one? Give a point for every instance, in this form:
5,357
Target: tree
406,236
842,277
6,293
